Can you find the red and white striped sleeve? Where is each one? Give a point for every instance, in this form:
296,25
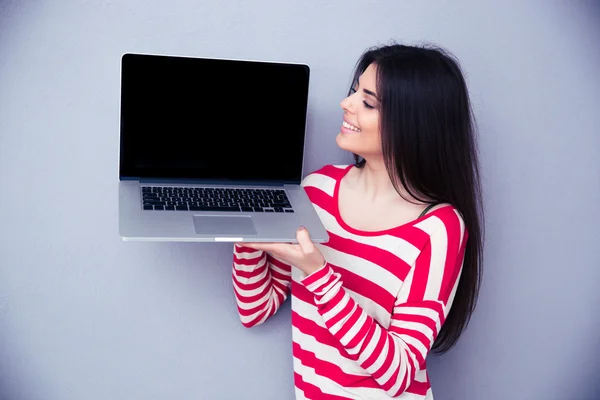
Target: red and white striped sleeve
260,282
393,356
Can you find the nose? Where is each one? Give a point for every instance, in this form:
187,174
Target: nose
346,104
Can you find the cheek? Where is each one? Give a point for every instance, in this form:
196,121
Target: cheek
370,123
373,134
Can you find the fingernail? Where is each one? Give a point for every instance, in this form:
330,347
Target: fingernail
302,227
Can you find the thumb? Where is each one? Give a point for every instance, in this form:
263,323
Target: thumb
304,240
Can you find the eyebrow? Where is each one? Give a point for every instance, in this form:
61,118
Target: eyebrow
370,93
367,91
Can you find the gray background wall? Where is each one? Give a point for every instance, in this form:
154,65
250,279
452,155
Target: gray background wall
85,316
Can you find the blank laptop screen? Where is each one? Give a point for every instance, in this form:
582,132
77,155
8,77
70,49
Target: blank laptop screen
207,119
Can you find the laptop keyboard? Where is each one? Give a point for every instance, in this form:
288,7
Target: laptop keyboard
214,199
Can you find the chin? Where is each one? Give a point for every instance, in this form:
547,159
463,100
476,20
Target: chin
339,140
359,148
343,143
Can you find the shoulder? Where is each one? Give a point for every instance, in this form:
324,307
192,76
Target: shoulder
326,177
442,220
444,223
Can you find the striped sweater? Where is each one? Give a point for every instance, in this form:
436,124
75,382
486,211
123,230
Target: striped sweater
363,324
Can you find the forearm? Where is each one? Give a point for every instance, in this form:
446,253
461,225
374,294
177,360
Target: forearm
383,354
260,284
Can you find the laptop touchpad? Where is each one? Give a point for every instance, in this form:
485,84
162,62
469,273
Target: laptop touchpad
224,225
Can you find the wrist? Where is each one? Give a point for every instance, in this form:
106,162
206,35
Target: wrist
315,269
312,270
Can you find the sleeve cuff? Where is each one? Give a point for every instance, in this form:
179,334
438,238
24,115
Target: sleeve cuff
319,279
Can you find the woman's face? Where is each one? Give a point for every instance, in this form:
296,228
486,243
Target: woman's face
359,132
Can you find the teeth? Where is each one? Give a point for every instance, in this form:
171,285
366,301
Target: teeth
351,127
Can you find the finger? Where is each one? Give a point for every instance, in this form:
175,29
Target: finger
279,250
304,240
257,246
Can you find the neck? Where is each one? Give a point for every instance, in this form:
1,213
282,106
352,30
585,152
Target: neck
375,182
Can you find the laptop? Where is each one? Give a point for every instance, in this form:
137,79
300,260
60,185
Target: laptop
212,150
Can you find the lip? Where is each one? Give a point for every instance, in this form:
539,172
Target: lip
346,130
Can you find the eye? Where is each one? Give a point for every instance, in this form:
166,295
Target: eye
352,90
368,105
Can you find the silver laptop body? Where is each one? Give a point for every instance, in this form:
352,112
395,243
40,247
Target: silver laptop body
212,150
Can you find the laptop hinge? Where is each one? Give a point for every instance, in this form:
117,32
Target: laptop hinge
220,182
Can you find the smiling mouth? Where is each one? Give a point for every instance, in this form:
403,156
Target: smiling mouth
351,127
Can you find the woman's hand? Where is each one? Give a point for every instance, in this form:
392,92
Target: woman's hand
303,255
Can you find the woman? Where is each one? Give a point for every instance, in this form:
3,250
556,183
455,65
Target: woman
400,274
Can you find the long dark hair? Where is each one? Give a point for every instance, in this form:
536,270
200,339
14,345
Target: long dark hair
429,147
